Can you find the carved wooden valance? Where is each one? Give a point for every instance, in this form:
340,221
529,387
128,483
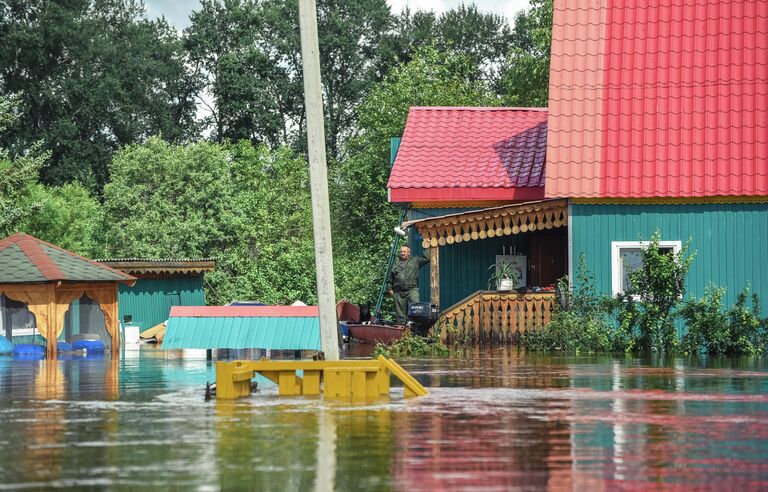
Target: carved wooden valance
492,222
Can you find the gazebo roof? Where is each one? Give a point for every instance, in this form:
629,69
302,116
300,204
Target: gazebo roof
26,259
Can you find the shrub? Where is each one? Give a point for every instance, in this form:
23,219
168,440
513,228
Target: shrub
655,290
707,324
581,321
411,345
740,330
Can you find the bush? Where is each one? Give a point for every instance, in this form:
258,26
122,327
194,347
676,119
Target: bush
581,322
738,331
411,345
707,324
655,290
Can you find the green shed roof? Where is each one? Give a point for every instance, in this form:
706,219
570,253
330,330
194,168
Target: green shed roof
241,327
26,259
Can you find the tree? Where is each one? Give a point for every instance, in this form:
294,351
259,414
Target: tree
525,77
93,75
250,52
246,205
363,219
484,38
68,216
252,95
17,177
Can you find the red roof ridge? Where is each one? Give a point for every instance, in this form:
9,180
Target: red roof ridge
39,258
478,108
244,311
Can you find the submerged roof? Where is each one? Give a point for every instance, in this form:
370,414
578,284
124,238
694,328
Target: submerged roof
658,99
161,266
240,327
470,153
26,259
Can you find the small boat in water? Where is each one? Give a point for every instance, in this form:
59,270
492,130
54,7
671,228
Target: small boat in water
373,333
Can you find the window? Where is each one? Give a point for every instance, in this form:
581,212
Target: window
17,320
626,258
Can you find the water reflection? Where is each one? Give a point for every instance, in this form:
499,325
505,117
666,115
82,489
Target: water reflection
495,420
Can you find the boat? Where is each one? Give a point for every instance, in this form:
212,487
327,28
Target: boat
373,332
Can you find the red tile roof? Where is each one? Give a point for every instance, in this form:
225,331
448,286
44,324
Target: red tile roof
661,98
470,154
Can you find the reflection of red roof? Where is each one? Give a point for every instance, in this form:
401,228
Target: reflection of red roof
658,98
470,154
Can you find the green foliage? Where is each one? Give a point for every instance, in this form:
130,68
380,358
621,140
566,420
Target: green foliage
92,75
18,176
411,345
67,216
247,206
364,220
710,329
655,290
582,321
484,38
525,76
706,323
499,272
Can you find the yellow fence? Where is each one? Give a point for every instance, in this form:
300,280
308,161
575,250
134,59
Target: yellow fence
495,317
344,379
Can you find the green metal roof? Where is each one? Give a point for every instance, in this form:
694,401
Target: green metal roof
241,327
26,259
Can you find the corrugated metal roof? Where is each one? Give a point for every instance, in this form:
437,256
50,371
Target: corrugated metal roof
240,327
658,99
470,153
25,259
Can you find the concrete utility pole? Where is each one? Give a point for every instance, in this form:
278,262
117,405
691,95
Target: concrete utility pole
318,175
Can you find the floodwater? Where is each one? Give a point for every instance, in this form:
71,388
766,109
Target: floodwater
495,420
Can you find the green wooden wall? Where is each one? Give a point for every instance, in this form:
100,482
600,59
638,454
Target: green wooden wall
730,241
150,300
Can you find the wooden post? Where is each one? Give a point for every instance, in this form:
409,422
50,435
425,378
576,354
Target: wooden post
434,275
318,179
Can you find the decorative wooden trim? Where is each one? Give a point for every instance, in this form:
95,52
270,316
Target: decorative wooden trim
492,222
492,316
461,204
434,275
671,201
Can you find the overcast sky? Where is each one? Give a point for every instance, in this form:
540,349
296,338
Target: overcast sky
177,11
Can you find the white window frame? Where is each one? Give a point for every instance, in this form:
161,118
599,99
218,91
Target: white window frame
617,246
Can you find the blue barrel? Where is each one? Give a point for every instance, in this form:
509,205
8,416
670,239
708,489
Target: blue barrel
89,346
64,347
6,347
29,351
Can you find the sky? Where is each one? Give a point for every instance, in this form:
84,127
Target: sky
177,11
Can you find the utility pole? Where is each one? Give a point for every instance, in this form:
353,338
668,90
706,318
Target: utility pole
318,176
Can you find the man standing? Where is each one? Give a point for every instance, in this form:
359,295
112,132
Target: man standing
403,282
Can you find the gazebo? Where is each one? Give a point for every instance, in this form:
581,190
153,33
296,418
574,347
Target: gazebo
47,279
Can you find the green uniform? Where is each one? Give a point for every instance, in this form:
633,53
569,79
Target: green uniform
403,281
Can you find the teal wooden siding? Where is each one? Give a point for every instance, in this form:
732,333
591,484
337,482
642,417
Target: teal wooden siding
730,241
464,266
149,301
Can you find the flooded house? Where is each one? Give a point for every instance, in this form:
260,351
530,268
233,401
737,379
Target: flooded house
643,133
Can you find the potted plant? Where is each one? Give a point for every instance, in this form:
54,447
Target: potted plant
503,276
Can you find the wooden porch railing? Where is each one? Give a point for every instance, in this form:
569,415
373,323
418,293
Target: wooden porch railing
495,317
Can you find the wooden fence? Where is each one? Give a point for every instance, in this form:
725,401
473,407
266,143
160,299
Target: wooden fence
495,317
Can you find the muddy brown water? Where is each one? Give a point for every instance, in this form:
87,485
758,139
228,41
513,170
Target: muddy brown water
494,420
